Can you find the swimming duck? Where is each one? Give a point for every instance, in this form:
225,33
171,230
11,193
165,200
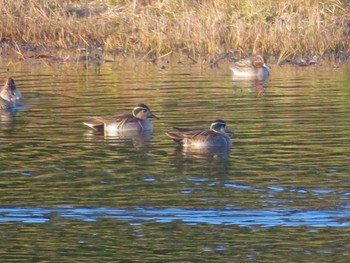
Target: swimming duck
5,105
10,93
251,68
137,121
217,136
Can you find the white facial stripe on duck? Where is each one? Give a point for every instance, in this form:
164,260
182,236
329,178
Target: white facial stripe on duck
141,111
220,126
217,125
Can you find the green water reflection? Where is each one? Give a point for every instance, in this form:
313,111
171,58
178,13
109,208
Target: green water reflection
174,242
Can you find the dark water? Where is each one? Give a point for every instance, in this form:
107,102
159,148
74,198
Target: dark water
280,194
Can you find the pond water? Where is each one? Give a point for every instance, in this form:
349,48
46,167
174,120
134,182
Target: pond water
281,193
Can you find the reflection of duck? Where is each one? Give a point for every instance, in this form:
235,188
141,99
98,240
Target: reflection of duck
253,85
217,136
137,121
251,68
10,95
138,139
205,152
213,160
6,116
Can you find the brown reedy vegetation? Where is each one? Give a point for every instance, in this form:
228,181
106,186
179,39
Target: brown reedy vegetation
195,27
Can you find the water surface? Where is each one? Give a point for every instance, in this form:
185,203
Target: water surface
280,194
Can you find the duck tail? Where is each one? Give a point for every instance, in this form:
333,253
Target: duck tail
175,136
97,126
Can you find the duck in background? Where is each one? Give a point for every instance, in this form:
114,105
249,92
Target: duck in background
10,96
251,68
136,122
217,136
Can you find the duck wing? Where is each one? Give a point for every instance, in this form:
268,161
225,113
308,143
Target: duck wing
197,135
98,123
125,118
243,63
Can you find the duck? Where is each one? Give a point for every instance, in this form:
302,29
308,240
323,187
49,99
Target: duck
10,93
217,136
135,122
251,68
5,105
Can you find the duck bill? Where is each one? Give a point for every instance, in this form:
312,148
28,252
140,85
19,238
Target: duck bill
153,116
227,131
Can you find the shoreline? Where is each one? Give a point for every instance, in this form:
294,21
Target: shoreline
98,55
201,30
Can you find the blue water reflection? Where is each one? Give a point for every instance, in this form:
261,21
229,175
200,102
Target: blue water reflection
239,217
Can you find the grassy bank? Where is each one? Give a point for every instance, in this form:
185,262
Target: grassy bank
196,27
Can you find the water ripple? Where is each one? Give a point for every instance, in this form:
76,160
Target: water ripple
243,218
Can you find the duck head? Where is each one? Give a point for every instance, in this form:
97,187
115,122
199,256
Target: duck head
220,126
259,62
142,111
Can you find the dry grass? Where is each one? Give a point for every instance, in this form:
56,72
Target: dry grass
195,27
